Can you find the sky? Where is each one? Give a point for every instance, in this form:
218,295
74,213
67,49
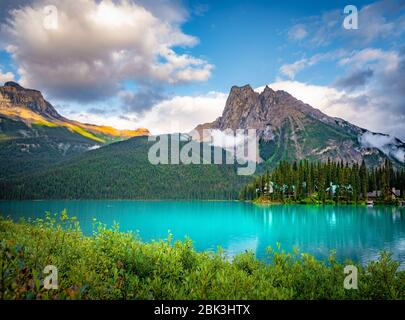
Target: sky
169,65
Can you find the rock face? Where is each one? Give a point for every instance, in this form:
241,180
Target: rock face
268,111
12,94
30,107
290,129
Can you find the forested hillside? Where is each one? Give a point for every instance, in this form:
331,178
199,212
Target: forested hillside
25,149
122,171
33,135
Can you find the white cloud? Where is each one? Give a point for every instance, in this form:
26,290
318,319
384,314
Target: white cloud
385,88
380,20
297,32
386,143
227,140
360,108
320,97
178,114
386,60
370,93
4,77
97,45
236,141
375,21
183,113
291,70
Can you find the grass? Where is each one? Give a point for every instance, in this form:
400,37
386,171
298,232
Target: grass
114,265
83,132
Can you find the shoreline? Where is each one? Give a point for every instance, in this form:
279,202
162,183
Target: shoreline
261,201
175,267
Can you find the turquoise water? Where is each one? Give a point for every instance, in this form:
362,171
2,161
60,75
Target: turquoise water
358,233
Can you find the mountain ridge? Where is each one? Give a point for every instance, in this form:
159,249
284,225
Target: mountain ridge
29,106
33,135
290,129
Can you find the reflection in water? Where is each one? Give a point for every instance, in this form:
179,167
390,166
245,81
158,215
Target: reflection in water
357,233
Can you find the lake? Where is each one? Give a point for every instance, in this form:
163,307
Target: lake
355,232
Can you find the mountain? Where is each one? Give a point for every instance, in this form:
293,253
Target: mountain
34,135
46,156
290,129
30,107
122,170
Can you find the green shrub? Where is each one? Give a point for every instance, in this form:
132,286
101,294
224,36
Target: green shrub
114,265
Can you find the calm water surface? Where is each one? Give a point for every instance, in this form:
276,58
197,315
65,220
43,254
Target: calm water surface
358,233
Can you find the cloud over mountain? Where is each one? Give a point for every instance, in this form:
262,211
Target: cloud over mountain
380,79
176,114
354,79
368,107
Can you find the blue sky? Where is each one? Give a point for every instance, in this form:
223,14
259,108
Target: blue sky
182,57
247,40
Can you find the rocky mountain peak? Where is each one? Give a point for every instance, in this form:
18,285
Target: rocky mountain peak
247,109
267,91
290,129
14,85
239,105
14,95
241,90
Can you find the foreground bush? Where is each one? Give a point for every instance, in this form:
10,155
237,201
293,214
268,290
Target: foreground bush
115,265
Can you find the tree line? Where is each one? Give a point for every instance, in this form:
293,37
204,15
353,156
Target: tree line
327,182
